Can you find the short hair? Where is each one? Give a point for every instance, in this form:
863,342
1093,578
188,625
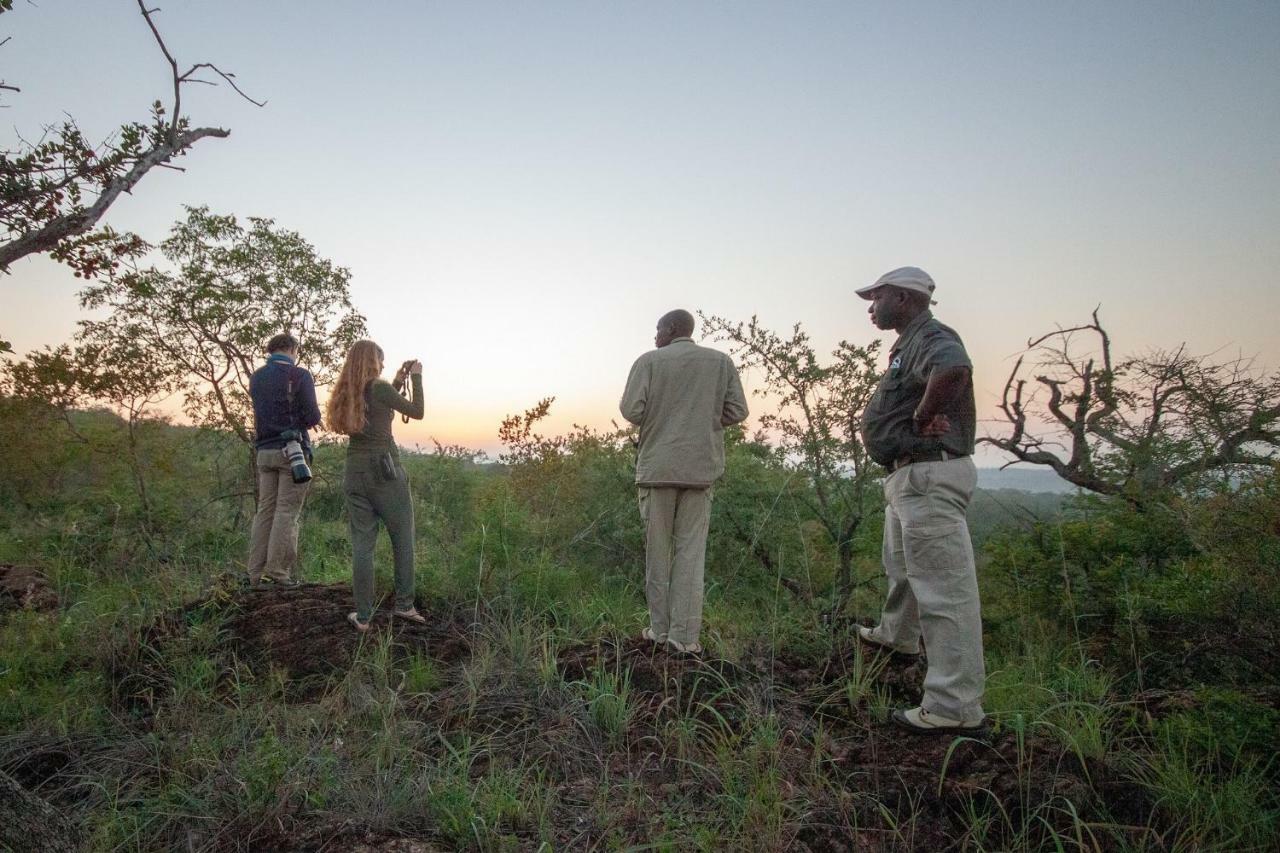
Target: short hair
679,322
281,342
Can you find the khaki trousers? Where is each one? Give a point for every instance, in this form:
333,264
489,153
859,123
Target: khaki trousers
273,544
675,547
933,583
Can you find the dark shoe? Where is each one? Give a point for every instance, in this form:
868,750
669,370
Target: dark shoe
920,721
867,635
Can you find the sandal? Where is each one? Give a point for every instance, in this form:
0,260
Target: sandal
648,634
362,627
693,650
411,615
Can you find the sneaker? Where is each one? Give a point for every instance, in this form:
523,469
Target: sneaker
922,722
867,635
362,627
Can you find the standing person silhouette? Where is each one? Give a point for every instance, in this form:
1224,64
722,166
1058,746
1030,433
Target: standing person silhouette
284,408
920,425
363,405
682,396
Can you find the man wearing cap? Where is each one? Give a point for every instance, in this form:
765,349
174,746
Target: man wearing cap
920,425
681,396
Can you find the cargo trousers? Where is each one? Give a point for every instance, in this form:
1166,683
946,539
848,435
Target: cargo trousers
675,523
370,499
273,542
933,583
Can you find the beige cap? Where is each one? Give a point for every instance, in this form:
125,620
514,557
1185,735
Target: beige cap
908,278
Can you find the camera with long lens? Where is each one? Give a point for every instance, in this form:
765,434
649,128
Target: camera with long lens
297,458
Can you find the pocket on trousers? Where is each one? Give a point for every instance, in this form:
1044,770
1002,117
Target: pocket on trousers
355,482
935,547
918,478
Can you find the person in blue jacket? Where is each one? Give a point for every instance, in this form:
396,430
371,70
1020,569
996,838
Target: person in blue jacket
284,408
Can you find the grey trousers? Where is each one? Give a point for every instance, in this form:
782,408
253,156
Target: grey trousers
933,583
675,548
273,542
371,499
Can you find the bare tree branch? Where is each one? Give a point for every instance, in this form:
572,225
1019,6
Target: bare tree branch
1156,422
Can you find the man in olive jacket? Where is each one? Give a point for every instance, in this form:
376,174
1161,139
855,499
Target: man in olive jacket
681,396
920,426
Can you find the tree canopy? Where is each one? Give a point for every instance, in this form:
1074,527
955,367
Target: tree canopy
204,315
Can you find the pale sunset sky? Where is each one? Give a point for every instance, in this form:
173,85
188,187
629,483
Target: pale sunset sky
521,189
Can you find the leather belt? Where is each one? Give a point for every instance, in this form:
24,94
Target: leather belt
924,456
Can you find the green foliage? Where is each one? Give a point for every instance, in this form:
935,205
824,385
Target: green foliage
770,748
813,422
1221,724
1209,809
607,695
204,320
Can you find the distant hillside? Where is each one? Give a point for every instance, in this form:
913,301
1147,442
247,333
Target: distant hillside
1042,480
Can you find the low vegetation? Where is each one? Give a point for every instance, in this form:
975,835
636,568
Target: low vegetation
158,703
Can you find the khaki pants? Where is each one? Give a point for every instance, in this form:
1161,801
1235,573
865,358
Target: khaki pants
933,583
675,546
273,544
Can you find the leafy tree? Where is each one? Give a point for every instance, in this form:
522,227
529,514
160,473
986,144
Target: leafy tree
579,486
1162,422
54,190
202,320
117,375
814,425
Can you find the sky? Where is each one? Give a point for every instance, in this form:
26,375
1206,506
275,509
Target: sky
521,189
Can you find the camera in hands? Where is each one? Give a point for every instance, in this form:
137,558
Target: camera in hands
292,451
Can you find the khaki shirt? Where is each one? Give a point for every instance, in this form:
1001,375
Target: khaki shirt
682,396
888,424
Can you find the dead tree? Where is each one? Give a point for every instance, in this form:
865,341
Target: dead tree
56,189
1150,424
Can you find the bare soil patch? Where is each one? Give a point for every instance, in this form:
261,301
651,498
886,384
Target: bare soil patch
25,587
299,631
304,630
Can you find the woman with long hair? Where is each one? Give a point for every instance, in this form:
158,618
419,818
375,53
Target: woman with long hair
363,405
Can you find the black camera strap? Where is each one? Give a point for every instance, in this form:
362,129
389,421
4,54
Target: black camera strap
290,396
405,387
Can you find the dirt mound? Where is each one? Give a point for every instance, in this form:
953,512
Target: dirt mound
23,587
300,631
304,631
661,682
